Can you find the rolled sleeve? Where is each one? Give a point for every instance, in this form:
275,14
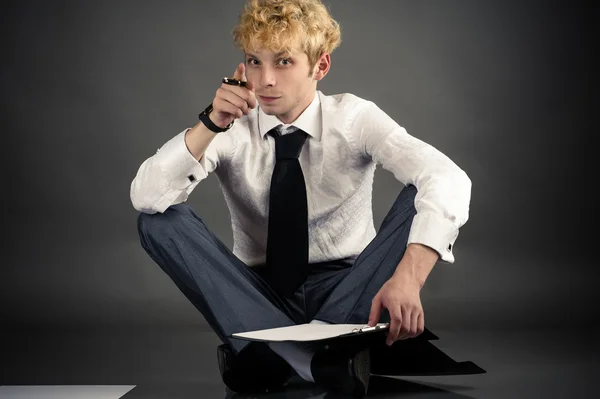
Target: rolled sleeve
443,189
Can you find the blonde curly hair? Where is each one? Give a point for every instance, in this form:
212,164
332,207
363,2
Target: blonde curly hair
283,25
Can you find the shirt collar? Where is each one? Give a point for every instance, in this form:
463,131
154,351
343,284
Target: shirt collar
309,121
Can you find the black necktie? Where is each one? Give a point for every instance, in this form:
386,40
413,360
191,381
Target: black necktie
287,241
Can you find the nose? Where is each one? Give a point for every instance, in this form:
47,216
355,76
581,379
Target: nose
267,77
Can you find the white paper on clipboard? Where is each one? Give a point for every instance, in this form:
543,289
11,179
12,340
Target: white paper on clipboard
309,332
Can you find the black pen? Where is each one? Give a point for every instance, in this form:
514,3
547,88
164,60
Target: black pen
234,82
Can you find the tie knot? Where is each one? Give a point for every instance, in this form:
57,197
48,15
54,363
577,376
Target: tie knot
288,146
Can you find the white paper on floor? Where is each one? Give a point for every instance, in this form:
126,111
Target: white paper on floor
64,391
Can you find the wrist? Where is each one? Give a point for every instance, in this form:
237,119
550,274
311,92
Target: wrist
407,274
214,119
207,117
416,264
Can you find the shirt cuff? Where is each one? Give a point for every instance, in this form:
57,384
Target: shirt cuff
179,166
435,232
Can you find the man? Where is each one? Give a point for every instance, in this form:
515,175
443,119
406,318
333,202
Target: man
296,168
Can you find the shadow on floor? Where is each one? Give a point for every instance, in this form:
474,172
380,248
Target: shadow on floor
379,387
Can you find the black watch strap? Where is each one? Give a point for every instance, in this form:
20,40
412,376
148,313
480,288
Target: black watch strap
203,116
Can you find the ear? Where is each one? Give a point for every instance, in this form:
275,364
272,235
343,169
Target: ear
322,66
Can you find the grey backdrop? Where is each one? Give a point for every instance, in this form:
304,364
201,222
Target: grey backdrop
91,89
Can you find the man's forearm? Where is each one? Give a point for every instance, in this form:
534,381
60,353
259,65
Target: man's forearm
197,139
416,264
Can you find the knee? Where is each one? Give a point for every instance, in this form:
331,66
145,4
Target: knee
153,224
410,190
406,198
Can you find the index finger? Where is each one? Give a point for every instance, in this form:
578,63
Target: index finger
240,72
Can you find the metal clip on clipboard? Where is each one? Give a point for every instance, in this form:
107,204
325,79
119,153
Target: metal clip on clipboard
367,328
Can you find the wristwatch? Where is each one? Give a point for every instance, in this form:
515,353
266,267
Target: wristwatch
203,116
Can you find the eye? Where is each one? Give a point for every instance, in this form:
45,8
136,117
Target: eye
285,61
252,61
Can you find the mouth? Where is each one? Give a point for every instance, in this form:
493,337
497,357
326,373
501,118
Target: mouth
268,99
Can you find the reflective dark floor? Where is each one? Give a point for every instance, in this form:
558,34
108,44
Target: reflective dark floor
180,362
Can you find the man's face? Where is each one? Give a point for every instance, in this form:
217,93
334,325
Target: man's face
283,82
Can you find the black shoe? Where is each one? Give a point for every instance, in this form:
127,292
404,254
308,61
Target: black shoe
256,369
342,371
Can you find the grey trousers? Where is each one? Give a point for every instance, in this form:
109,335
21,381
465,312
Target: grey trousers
233,297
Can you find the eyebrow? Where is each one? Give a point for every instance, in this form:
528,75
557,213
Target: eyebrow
279,54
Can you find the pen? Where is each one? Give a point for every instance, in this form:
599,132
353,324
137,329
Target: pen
234,82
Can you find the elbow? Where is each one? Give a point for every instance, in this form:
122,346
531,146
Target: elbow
140,202
462,186
466,181
143,207
466,193
140,205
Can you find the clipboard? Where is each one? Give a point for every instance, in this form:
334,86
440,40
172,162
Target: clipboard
309,332
425,359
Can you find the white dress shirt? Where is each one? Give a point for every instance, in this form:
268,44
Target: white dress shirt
347,138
